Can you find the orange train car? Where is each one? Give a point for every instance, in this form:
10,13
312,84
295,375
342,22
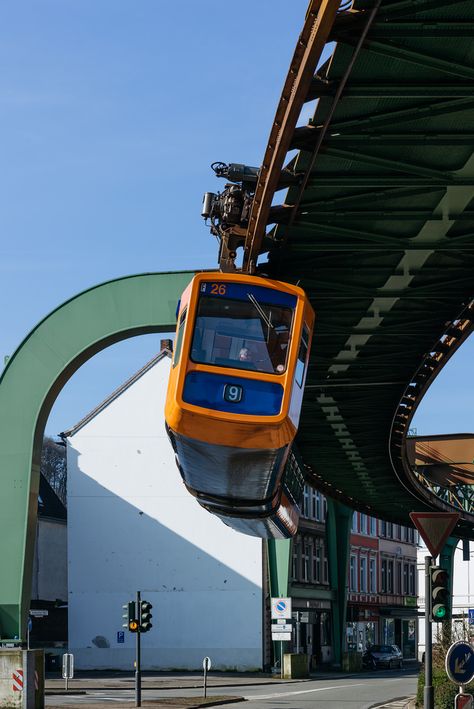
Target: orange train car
234,398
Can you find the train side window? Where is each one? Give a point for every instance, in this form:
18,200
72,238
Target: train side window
179,337
302,354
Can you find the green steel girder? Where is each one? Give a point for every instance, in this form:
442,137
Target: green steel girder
402,8
29,385
381,236
391,89
394,117
422,60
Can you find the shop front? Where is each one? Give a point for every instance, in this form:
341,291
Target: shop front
362,627
312,631
398,626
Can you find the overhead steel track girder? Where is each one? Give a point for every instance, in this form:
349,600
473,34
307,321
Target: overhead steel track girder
380,233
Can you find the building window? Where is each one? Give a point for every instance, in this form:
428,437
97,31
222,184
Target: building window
363,523
412,580
398,578
295,558
354,522
384,576
316,562
390,576
353,573
325,567
306,496
363,574
317,505
383,529
389,530
325,509
373,526
305,558
372,576
405,579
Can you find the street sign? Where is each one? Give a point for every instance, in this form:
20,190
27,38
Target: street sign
120,636
68,665
463,701
281,608
282,628
434,528
38,613
460,662
281,636
206,664
471,616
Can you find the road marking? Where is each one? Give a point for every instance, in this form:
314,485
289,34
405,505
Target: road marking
302,691
394,704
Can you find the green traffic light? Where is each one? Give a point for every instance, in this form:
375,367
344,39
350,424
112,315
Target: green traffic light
439,611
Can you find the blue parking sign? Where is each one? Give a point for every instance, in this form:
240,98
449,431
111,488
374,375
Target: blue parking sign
120,636
471,616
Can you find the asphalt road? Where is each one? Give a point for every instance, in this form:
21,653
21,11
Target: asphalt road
362,691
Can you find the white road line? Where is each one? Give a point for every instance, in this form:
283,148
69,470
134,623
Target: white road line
302,691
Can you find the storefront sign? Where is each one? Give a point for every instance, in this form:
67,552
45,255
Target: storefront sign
411,601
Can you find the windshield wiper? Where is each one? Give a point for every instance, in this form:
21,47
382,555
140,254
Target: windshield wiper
260,310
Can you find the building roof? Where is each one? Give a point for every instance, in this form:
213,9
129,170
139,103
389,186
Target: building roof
165,352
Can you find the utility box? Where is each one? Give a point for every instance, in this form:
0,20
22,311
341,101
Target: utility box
295,666
21,678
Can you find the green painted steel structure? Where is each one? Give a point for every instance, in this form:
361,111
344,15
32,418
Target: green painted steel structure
380,234
29,385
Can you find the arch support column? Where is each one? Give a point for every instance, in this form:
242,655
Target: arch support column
29,385
338,528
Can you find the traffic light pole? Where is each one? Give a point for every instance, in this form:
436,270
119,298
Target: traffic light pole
428,695
138,672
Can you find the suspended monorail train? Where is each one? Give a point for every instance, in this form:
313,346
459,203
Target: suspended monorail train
234,398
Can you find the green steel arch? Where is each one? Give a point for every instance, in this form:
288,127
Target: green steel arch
29,385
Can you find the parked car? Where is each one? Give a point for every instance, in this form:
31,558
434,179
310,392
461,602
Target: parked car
382,656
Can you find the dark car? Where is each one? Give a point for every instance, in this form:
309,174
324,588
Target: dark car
382,656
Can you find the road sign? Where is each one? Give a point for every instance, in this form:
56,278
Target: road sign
281,636
281,608
471,616
120,636
68,665
463,701
282,628
206,664
460,662
38,613
435,528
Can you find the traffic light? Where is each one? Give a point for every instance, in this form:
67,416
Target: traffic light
130,616
439,594
145,616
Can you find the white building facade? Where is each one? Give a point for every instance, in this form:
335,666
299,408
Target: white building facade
132,526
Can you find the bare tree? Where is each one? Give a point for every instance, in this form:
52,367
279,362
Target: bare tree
53,466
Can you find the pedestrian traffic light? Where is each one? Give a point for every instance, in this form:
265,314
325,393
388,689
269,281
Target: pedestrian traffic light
130,616
145,616
439,594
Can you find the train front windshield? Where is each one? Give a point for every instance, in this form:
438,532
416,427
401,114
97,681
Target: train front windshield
236,326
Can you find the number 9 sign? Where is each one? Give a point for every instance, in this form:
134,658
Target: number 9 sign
233,393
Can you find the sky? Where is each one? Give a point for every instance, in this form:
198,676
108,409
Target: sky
110,115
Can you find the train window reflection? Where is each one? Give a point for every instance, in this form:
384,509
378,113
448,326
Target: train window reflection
242,334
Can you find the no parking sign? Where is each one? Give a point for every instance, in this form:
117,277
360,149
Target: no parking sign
281,608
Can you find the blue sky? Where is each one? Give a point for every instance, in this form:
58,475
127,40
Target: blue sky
110,115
